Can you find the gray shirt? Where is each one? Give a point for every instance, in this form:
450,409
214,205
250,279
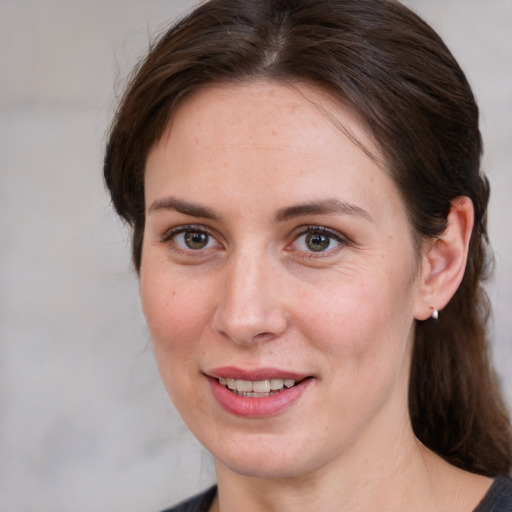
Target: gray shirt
497,499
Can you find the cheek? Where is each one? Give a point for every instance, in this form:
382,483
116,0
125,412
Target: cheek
360,320
175,313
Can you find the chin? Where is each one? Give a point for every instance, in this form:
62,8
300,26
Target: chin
266,458
267,469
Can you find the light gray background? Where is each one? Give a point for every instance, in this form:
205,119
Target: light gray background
85,424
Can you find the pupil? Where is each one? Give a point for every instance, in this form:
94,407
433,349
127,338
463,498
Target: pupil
196,240
317,242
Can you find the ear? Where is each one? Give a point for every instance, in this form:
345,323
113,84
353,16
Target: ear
444,260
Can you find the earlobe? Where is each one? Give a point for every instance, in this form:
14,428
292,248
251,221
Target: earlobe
444,261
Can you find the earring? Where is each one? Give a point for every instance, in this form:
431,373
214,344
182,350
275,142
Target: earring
435,313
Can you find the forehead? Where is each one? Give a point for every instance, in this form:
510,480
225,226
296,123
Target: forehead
260,137
300,106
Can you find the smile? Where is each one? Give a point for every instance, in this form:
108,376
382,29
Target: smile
256,388
258,392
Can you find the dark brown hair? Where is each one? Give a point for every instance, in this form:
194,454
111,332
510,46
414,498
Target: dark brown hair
380,60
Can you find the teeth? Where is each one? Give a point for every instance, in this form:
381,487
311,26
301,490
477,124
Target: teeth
257,386
261,386
245,386
276,384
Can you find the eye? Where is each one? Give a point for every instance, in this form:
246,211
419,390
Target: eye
191,238
317,239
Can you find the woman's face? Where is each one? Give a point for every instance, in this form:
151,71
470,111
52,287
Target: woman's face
277,253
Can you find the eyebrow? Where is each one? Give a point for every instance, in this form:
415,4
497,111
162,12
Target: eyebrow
185,207
323,207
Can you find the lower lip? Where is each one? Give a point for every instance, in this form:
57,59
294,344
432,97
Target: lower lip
259,407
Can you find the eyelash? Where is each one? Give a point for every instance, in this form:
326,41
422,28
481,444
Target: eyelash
170,236
320,230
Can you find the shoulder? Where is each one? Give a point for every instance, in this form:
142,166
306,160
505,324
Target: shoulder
498,498
199,503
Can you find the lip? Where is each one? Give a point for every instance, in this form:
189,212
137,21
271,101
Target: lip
231,372
259,407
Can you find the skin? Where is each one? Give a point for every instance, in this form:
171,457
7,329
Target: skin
257,295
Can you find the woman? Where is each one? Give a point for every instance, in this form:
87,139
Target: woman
309,228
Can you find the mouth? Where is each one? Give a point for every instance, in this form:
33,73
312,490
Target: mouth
257,393
257,388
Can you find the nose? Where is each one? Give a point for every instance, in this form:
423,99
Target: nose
251,306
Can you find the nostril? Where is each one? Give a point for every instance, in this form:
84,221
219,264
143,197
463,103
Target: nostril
264,336
252,323
245,314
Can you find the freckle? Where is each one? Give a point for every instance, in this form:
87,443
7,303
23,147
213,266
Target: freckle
274,133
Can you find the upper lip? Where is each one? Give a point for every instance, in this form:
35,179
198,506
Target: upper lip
231,372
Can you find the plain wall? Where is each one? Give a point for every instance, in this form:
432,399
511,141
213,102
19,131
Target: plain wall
85,424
